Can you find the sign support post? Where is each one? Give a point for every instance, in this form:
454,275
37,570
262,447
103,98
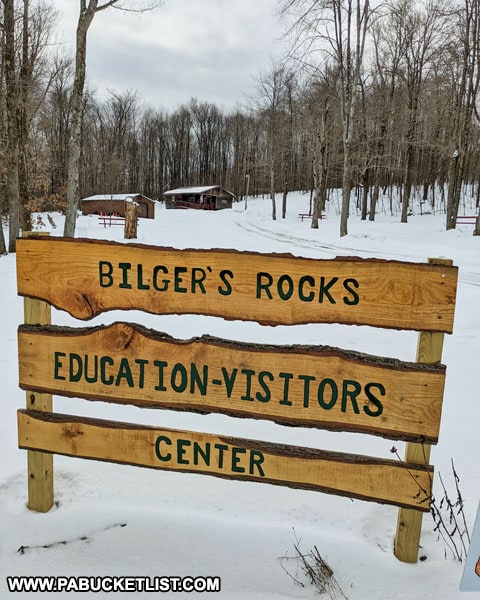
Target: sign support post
409,523
39,464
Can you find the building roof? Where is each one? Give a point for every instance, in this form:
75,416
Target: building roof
192,190
106,197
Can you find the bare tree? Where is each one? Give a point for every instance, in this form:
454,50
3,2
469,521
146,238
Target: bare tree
11,91
388,51
423,29
466,85
337,30
272,98
88,10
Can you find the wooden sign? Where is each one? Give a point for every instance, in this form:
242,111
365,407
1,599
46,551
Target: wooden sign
87,277
384,481
294,385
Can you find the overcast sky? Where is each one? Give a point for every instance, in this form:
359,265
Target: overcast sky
208,49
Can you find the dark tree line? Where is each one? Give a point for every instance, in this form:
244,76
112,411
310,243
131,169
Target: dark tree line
371,101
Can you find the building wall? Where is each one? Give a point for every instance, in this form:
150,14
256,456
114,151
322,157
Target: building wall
95,207
220,199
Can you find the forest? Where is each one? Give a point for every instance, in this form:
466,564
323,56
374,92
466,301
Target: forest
377,99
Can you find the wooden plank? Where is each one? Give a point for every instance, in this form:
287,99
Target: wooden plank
384,481
294,385
39,464
88,277
409,522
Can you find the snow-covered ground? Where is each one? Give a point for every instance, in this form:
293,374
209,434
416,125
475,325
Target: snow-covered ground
121,520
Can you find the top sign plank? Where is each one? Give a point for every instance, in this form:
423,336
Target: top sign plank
88,277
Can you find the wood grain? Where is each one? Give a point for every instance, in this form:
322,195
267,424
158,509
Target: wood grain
409,522
309,386
355,476
39,464
88,277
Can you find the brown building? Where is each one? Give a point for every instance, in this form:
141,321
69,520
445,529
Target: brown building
108,204
206,197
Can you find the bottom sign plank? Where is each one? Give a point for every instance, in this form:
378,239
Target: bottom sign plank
355,476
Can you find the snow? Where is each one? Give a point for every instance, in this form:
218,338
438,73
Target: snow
191,190
122,520
101,197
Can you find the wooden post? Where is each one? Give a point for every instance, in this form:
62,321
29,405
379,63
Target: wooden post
39,464
131,220
409,523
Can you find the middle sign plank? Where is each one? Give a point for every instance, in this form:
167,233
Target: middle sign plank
308,386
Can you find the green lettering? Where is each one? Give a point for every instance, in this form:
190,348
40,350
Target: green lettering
333,393
205,454
94,377
285,294
374,400
165,282
236,459
325,289
58,365
306,279
227,290
287,376
249,373
181,386
105,270
221,449
141,375
265,286
181,451
352,394
124,372
256,459
197,280
229,380
103,377
161,365
75,367
355,299
261,380
125,268
168,442
306,388
178,271
140,284
200,381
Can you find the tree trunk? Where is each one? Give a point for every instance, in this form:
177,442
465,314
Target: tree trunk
476,230
284,196
407,186
272,192
12,129
374,200
320,183
455,174
409,156
346,189
23,133
3,246
365,191
76,102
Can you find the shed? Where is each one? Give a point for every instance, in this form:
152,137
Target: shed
205,197
108,204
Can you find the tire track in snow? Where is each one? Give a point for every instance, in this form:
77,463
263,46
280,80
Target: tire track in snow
332,251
